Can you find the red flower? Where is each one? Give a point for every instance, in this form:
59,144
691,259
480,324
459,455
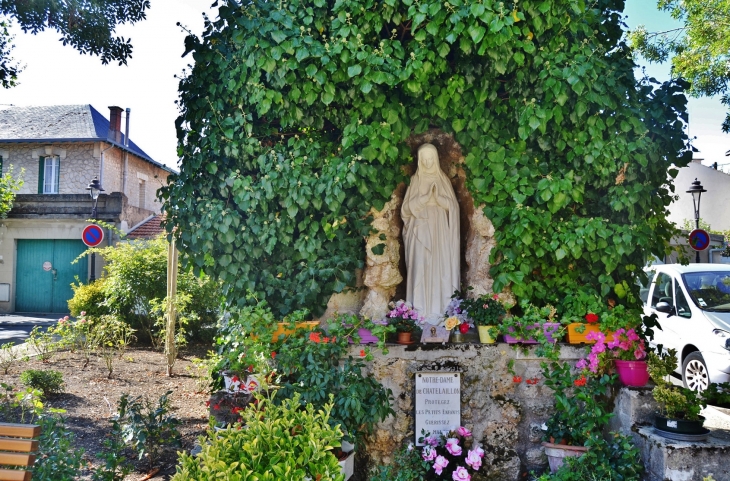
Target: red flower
250,369
207,403
234,378
362,352
315,337
533,381
464,328
216,407
591,318
517,379
273,354
236,410
581,381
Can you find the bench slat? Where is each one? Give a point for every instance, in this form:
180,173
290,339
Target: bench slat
18,445
14,475
16,459
20,430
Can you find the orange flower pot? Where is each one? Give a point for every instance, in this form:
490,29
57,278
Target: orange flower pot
575,337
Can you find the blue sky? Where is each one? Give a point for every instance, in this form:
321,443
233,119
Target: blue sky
59,75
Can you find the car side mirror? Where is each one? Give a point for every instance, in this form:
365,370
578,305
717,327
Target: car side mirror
664,307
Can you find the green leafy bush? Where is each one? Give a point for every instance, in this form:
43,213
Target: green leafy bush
89,298
110,337
316,366
281,441
49,382
318,105
8,356
59,459
146,427
135,285
42,342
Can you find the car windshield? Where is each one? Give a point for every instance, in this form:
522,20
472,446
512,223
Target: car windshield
709,290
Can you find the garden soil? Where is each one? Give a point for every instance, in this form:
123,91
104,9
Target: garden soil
90,399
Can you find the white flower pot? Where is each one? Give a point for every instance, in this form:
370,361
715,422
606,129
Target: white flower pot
347,465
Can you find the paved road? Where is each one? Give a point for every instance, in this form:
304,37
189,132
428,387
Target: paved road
16,327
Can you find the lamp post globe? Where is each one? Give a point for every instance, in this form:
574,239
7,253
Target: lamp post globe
696,190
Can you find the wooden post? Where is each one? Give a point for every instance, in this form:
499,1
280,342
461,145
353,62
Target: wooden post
170,347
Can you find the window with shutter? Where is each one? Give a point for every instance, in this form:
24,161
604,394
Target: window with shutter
49,174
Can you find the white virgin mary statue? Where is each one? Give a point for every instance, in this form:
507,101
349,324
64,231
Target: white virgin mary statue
431,236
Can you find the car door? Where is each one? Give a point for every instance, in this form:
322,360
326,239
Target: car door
662,290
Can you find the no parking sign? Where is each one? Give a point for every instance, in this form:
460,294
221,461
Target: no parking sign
92,235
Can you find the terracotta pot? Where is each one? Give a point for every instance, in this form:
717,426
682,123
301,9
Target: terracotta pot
404,338
632,373
557,452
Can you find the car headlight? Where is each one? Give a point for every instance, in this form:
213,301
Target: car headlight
725,336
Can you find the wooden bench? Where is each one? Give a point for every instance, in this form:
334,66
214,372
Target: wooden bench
18,443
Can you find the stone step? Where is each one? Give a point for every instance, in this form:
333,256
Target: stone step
669,460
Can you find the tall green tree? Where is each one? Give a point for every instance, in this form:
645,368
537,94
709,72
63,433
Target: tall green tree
295,117
699,49
86,25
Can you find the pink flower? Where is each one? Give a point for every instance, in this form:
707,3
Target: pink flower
452,446
440,464
83,313
599,347
631,335
639,353
473,459
429,453
479,451
582,364
431,440
461,474
462,431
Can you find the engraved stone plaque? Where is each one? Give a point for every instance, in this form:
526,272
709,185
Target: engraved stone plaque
438,402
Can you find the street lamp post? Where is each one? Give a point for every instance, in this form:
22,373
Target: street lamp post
696,190
94,189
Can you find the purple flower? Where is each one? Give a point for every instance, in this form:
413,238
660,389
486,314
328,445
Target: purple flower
429,453
452,446
440,464
462,431
461,474
431,440
582,364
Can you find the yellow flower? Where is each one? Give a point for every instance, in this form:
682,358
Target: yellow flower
514,16
451,323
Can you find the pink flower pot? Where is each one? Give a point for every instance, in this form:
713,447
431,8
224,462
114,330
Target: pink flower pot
632,373
549,328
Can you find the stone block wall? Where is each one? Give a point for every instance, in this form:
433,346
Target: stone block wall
79,165
506,417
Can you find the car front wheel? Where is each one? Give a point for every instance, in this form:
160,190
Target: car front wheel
694,372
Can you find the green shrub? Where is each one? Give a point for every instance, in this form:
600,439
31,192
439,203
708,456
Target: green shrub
145,427
89,298
47,381
280,442
408,465
58,459
8,356
42,342
110,337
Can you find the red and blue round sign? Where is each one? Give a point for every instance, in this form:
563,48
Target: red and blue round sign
92,235
699,239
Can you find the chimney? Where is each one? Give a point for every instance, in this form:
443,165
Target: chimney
115,124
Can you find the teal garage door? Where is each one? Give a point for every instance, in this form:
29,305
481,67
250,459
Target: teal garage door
44,274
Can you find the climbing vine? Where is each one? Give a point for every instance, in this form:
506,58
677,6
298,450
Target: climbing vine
295,117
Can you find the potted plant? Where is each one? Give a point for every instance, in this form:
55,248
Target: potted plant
358,330
485,312
679,407
580,314
626,352
406,321
580,413
534,323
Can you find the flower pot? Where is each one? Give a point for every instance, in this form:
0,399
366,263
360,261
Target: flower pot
557,452
404,338
366,337
679,426
549,328
347,465
632,373
575,337
284,330
484,336
457,336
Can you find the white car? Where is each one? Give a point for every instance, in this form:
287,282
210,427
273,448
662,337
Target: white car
692,304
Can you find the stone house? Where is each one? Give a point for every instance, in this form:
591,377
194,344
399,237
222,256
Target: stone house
58,150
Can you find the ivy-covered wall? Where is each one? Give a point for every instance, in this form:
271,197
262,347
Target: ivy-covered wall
295,117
